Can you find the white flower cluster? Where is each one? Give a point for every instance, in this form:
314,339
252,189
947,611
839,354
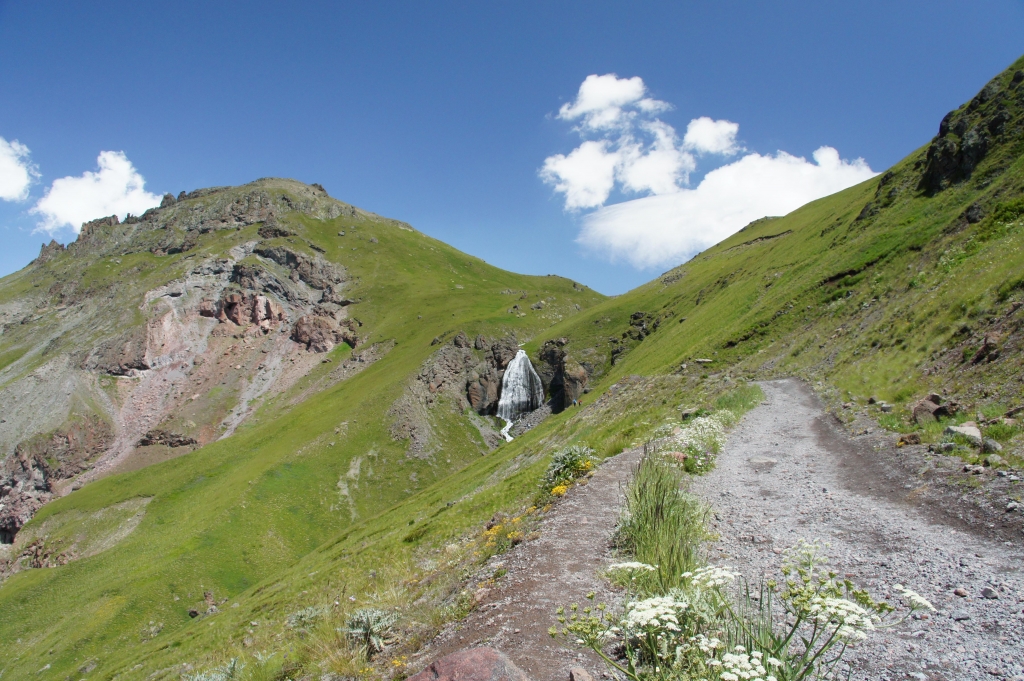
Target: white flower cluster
632,567
711,577
660,612
852,619
707,645
915,600
741,665
704,433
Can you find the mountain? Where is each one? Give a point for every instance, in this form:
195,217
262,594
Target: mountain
258,402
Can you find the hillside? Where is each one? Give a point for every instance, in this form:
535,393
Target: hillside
367,480
296,324
906,284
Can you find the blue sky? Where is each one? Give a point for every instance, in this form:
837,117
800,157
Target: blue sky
444,114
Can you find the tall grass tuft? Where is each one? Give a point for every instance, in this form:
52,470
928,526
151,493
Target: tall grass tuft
661,524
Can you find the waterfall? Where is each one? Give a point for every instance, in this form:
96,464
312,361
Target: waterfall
521,391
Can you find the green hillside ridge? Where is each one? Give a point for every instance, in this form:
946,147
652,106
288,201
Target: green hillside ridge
906,284
224,517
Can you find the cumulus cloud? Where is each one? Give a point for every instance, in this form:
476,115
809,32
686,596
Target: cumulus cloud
16,171
626,146
116,188
707,136
608,101
624,143
658,231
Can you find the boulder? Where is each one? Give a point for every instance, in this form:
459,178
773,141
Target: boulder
461,340
321,334
994,460
473,664
931,408
574,381
579,674
990,445
971,433
168,200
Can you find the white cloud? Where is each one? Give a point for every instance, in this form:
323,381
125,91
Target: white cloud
657,167
16,171
602,99
586,176
115,189
707,136
670,228
624,142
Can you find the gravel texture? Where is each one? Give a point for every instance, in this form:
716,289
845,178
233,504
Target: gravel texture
789,472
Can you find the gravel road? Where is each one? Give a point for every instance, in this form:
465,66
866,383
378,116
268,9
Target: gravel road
787,472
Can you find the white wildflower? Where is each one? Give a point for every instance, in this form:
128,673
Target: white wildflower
711,577
915,600
660,612
633,566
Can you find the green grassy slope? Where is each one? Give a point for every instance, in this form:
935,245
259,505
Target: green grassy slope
886,289
228,515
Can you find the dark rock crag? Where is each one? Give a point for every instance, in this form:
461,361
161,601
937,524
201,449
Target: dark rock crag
565,379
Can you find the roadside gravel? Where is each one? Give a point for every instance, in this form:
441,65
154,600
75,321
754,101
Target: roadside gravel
789,472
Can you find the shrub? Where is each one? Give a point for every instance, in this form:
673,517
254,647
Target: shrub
368,628
568,464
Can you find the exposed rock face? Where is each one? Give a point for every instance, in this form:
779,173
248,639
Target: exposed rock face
321,334
474,664
243,309
27,477
968,134
272,229
564,378
48,251
121,355
316,272
166,438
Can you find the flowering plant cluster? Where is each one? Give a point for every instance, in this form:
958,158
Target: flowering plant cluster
701,440
567,465
501,536
797,630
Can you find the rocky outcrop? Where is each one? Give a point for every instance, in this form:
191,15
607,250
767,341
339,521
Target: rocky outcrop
473,664
272,229
27,477
321,333
316,272
121,355
166,438
244,309
565,379
48,251
969,134
931,409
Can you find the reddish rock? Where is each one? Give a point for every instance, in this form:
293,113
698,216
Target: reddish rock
473,664
321,334
931,408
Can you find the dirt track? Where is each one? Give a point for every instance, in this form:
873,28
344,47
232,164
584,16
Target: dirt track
785,473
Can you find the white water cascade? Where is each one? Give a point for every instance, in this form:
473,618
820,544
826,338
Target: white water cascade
521,391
